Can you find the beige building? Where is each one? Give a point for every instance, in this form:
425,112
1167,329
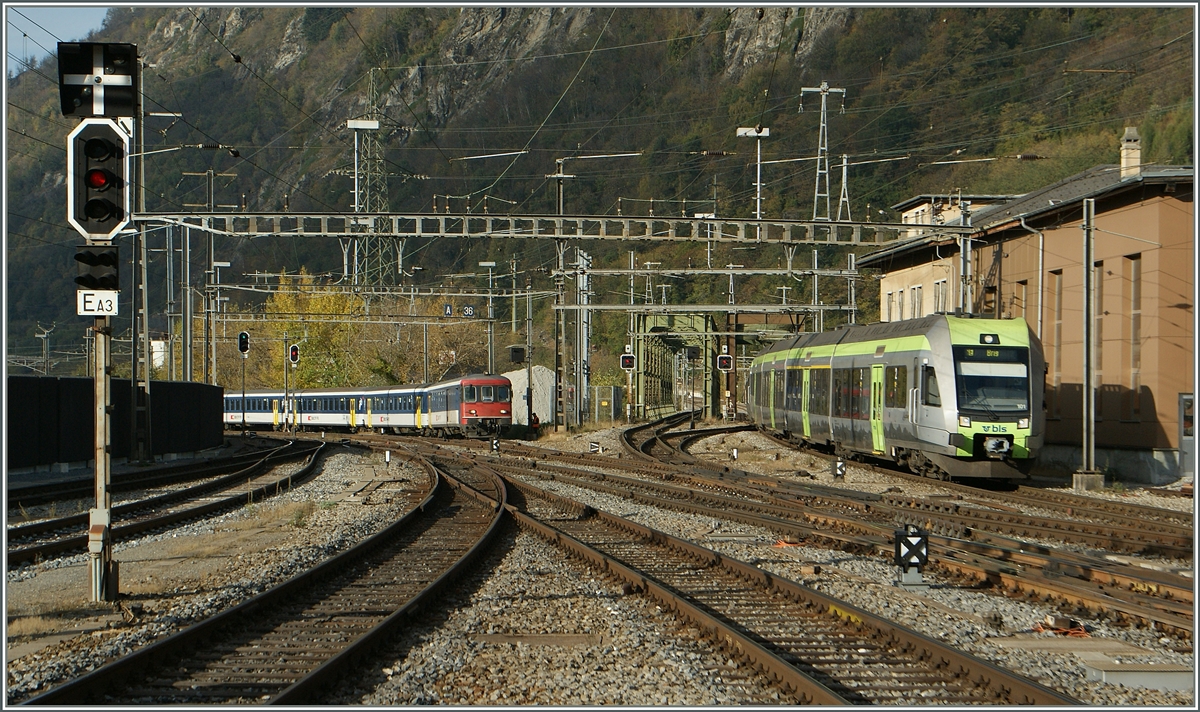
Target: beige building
1026,258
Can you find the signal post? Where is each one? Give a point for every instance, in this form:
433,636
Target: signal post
96,82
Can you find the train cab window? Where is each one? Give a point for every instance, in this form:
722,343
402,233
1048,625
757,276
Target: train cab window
502,394
929,387
470,394
992,379
486,392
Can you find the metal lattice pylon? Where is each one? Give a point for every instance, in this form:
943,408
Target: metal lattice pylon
822,186
378,256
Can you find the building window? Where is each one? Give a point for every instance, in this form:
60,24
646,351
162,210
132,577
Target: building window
939,295
890,304
1020,294
1056,344
916,302
1098,334
1133,268
900,304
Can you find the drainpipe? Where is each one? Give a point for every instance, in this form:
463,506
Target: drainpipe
1041,272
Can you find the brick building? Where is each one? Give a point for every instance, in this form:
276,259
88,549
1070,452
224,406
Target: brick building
1025,260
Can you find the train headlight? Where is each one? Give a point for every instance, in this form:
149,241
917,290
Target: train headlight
1023,423
964,421
503,412
472,412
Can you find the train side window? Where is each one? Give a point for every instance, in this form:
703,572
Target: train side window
486,392
929,388
858,394
896,380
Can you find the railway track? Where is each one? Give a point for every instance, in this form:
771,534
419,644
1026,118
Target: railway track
1086,583
44,539
857,522
84,488
822,650
1075,518
289,644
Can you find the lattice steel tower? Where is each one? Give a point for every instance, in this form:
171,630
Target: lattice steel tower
377,258
822,187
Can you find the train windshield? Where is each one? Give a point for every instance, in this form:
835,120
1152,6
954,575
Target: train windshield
502,394
992,379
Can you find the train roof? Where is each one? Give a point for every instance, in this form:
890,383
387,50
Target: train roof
920,326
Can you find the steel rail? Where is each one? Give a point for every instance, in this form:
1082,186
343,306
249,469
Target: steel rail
120,531
785,666
343,578
254,466
85,487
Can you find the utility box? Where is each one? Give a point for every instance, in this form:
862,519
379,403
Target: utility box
608,403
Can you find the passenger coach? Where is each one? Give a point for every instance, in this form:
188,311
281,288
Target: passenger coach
946,396
475,405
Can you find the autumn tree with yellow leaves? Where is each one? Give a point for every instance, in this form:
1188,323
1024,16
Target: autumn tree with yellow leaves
348,337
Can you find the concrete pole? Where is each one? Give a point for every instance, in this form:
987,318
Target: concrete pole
528,352
1087,477
100,563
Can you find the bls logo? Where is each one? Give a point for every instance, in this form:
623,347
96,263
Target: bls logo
993,429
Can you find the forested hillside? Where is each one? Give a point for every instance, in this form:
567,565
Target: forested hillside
278,85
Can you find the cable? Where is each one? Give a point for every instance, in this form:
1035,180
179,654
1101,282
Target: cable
561,96
43,29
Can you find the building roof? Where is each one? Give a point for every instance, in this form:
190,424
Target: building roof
934,197
1095,182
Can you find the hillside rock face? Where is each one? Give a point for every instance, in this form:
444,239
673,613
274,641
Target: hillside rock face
477,53
756,34
819,22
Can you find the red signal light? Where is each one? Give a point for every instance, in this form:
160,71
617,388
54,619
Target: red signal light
98,179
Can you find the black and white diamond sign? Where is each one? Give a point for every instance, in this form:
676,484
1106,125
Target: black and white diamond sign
912,549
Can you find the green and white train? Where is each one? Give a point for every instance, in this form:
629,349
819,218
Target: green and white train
946,396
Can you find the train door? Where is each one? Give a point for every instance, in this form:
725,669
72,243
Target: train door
876,414
352,414
804,393
931,422
275,413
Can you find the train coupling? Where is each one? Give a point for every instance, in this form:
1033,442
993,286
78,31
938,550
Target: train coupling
997,448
